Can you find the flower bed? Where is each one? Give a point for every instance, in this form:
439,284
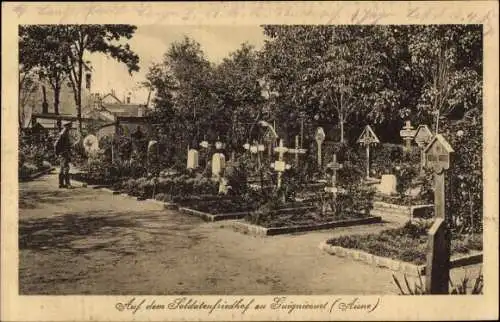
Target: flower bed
170,188
221,206
30,171
408,243
303,225
304,216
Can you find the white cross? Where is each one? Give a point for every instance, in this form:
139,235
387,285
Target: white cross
335,166
297,151
280,166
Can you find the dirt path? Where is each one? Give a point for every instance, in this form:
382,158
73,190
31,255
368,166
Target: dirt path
86,241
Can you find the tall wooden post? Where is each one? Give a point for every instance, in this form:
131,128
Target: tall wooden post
320,137
297,147
297,151
367,138
367,160
422,137
438,154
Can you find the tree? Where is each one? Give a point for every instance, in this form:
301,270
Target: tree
105,39
239,95
329,72
40,50
447,62
27,86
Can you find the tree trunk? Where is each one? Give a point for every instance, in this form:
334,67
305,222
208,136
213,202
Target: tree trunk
57,93
437,121
79,93
341,121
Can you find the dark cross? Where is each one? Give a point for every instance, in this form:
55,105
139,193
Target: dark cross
438,154
335,166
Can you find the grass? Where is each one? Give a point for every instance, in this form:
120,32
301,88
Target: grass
220,206
300,217
408,243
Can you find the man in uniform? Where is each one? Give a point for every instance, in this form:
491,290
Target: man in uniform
63,151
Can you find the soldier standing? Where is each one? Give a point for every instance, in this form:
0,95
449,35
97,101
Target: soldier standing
63,151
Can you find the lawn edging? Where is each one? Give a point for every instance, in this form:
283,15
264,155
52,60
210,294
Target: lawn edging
410,211
37,174
393,264
166,205
256,230
214,217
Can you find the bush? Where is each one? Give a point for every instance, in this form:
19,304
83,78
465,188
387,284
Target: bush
464,181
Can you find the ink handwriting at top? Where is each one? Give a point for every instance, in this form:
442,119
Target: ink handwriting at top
365,13
451,15
369,16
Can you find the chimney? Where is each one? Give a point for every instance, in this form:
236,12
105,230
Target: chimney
128,99
88,80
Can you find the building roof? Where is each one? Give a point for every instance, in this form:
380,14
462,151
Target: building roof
111,95
126,110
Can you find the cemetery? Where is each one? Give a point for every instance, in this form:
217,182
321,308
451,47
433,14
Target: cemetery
274,164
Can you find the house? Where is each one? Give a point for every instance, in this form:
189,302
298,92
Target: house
40,109
126,117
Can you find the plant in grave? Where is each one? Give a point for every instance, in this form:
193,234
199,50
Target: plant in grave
266,205
462,288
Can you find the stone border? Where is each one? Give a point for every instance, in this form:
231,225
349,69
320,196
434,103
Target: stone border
256,230
214,217
232,215
393,264
409,211
37,174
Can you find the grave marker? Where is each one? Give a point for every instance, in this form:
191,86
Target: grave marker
269,138
407,133
438,154
192,159
218,164
368,138
388,184
297,150
422,138
280,165
320,137
335,167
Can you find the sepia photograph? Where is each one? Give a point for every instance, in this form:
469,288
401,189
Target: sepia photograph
207,167
266,159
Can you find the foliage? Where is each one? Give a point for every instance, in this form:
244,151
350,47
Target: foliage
40,50
196,100
58,50
181,185
407,243
464,180
463,288
447,66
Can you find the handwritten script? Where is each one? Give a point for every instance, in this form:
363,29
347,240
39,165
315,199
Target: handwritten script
244,305
368,13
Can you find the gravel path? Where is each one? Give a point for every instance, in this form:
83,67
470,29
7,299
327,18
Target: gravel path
87,241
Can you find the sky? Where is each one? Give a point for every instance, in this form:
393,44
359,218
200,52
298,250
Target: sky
150,42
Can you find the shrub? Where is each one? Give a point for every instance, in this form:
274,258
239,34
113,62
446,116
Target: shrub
462,288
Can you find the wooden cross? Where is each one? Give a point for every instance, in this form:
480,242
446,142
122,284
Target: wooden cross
255,148
320,137
407,133
422,137
297,150
335,166
438,156
280,165
367,138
